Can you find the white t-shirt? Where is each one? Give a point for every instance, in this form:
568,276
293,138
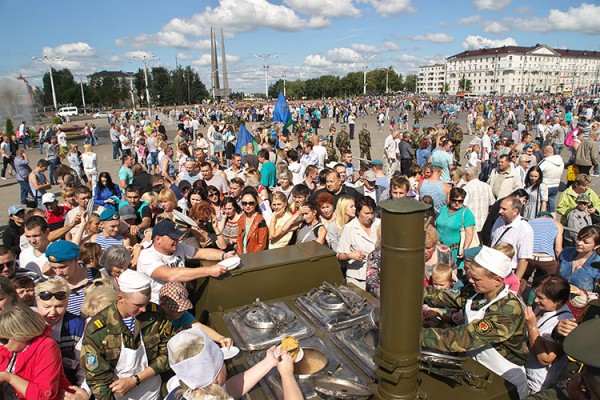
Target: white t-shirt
321,152
150,260
28,260
61,137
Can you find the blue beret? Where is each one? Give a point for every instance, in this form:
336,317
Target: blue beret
62,250
377,162
109,215
471,253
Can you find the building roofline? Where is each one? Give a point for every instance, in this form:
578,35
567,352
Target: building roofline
524,50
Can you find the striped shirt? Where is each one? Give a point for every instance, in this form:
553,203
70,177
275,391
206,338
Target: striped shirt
106,242
130,323
76,297
544,235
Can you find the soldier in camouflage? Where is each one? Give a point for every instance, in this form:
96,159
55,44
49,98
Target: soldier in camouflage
124,348
455,134
342,141
364,144
331,153
494,331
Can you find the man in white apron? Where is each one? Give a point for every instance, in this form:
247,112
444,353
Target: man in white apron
494,329
124,347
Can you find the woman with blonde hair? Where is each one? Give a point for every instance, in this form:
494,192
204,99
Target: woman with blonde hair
97,298
167,200
281,214
345,210
89,159
28,348
51,297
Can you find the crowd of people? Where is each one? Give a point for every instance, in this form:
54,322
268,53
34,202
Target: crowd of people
96,273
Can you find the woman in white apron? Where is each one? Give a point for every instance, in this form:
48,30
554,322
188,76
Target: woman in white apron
494,327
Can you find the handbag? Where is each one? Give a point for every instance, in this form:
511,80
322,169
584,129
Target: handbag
474,242
572,172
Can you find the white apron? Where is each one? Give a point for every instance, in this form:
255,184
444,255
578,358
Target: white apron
132,362
489,356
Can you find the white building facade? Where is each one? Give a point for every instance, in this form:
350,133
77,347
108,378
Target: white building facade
524,70
432,79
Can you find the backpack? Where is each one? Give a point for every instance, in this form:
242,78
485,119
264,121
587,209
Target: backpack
570,139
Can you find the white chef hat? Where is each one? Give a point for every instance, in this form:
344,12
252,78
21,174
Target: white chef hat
131,281
494,261
202,369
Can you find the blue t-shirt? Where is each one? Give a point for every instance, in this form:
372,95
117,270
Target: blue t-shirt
268,174
184,322
126,174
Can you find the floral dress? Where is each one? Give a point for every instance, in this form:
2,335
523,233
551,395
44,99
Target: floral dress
219,145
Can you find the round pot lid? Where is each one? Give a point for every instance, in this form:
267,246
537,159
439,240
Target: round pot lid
337,388
259,318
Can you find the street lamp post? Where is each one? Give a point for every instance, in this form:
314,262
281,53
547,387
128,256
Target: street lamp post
144,59
48,61
82,94
365,58
284,76
265,58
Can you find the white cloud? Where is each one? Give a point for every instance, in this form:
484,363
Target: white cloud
405,58
139,54
473,42
387,8
204,60
433,37
343,55
576,19
114,59
473,19
368,48
524,10
163,39
183,56
240,16
325,8
70,50
318,22
494,27
316,60
494,5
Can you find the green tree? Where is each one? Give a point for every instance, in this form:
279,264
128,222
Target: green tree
64,85
465,84
410,83
10,129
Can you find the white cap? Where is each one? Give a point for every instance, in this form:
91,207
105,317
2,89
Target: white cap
202,369
494,261
48,198
131,281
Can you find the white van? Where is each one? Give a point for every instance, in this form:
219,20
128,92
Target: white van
471,96
68,111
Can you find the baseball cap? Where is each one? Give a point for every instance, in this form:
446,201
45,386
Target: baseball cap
127,212
15,209
370,176
166,227
48,198
174,297
583,198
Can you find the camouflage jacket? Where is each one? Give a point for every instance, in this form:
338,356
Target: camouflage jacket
503,326
331,154
455,132
364,138
342,141
102,345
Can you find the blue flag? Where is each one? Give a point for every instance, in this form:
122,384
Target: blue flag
281,112
244,137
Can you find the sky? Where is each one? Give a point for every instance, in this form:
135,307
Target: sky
302,38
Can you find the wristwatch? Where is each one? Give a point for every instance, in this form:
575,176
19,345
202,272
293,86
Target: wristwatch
138,381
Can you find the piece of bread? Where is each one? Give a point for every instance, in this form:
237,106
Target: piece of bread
290,344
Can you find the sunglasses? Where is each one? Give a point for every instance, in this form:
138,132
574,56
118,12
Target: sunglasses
213,194
8,264
4,341
458,201
248,203
48,295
